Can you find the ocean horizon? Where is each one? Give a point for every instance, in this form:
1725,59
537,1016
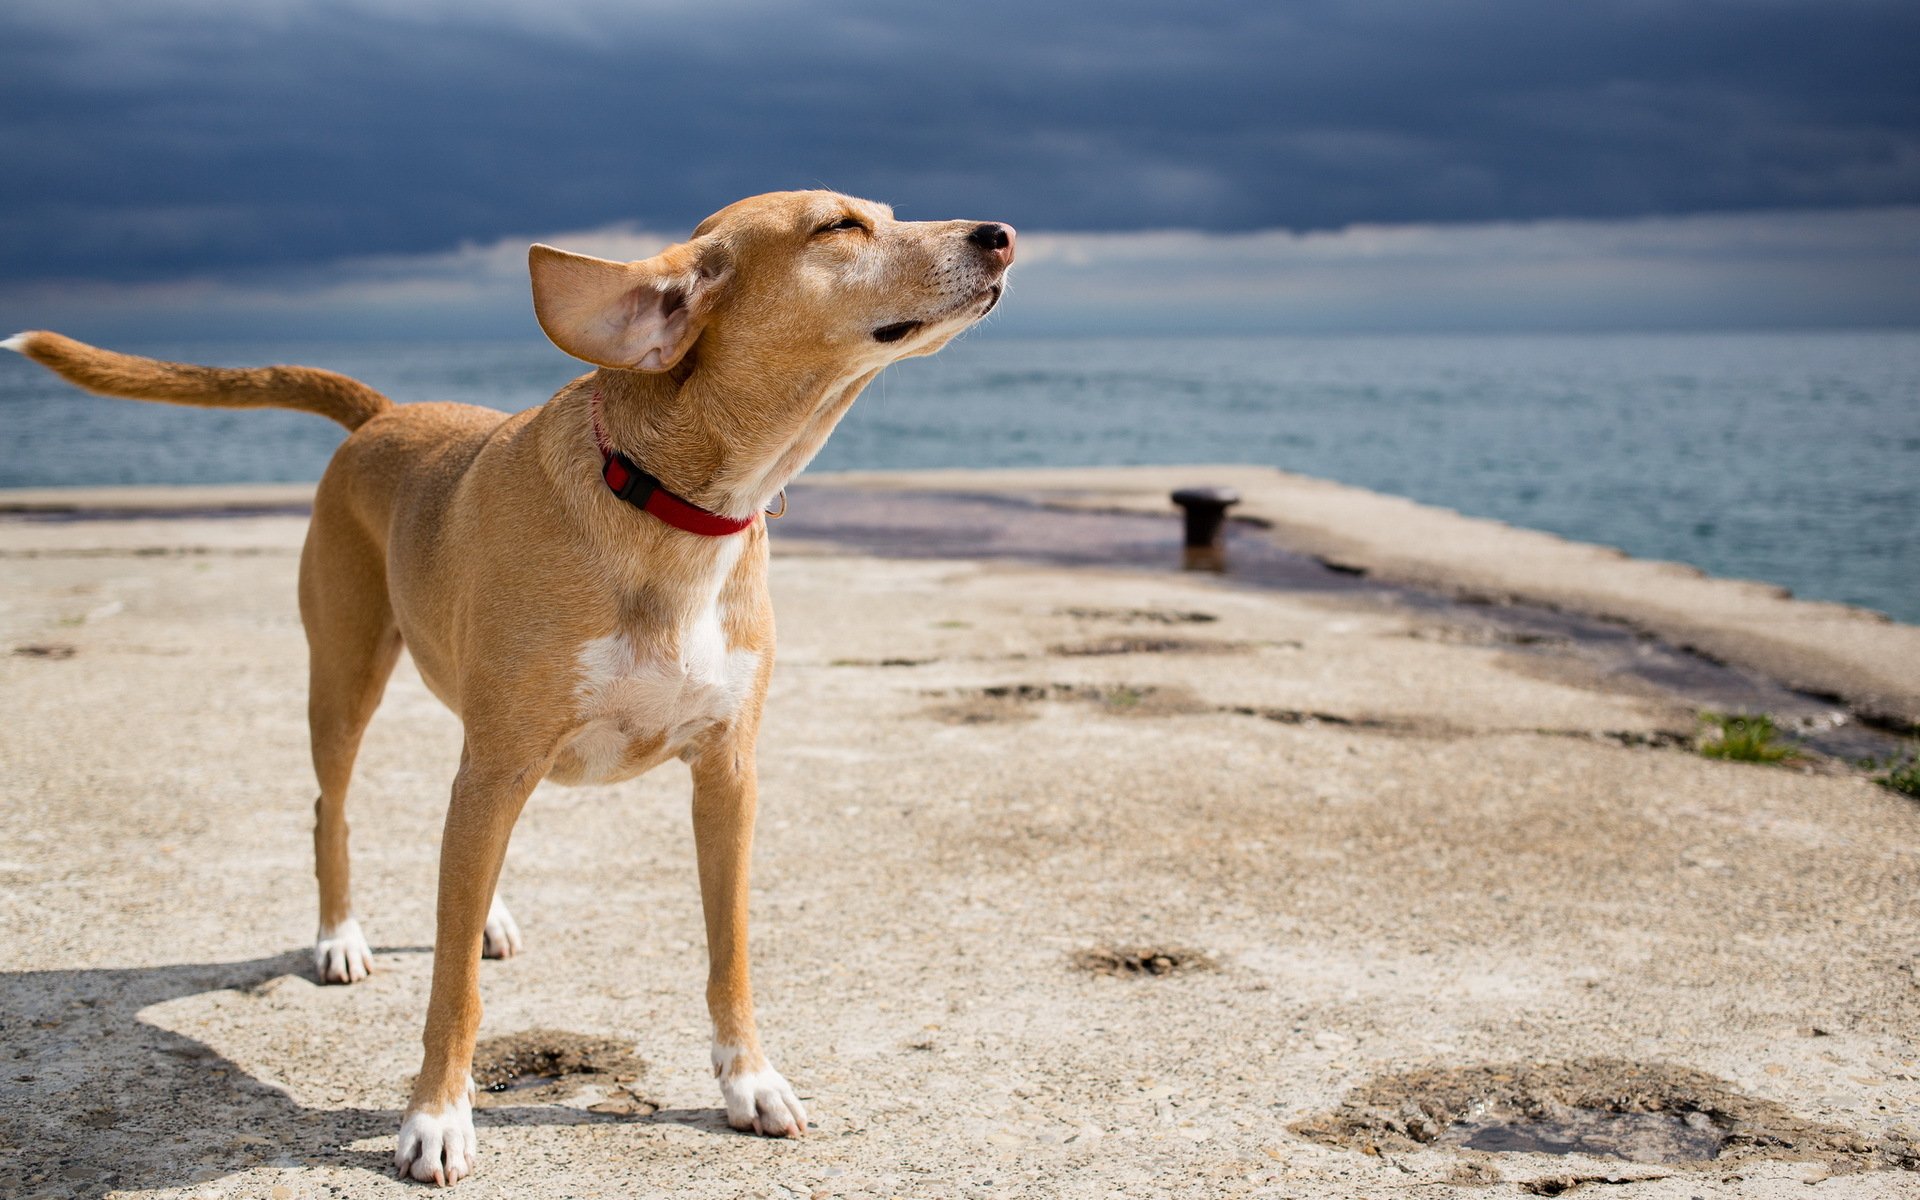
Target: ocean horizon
1792,458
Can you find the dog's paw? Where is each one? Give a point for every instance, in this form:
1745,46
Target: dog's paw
758,1099
341,954
503,933
437,1147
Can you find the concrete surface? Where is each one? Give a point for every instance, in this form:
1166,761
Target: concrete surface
1473,886
1855,654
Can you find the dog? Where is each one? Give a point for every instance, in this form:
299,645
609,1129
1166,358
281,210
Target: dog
585,583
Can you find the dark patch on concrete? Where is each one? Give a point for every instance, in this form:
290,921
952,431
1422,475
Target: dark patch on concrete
1467,633
545,1065
1137,616
1311,717
1145,645
1655,739
1300,716
882,662
1560,1185
48,650
1648,739
1640,1112
1142,961
1015,701
1643,1137
980,710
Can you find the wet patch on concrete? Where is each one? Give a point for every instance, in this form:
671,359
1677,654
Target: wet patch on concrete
1139,616
1020,701
1650,739
547,1065
1145,645
882,662
1560,1185
1599,1133
1607,1108
1609,657
1309,717
50,651
1643,739
1139,962
1016,701
1466,633
981,710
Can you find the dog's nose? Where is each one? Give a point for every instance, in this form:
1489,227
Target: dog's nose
996,239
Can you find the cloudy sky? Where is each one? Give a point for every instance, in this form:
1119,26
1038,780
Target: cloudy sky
291,166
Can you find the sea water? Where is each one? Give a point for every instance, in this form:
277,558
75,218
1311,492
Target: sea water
1791,458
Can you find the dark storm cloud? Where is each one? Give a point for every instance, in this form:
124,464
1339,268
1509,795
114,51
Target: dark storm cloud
150,140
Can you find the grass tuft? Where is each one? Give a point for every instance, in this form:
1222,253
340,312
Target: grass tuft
1900,773
1744,737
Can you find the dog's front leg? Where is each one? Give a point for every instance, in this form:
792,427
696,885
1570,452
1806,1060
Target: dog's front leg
725,790
437,1143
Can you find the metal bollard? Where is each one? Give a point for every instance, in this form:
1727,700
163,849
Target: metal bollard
1206,515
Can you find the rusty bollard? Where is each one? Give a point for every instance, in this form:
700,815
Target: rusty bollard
1206,512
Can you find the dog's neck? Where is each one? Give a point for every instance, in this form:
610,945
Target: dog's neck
725,442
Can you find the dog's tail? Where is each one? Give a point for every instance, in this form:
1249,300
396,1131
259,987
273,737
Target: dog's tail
308,389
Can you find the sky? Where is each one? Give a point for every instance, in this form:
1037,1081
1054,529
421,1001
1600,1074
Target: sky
356,169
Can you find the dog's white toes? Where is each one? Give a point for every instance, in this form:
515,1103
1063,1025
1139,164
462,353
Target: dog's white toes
503,933
437,1147
341,954
763,1101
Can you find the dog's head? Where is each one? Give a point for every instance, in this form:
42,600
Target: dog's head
790,281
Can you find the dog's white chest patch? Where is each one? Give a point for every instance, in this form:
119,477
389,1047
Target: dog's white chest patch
628,697
632,695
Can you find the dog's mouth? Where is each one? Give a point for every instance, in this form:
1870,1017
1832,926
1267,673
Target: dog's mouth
900,329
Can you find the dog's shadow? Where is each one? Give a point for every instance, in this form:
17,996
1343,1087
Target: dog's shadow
98,1100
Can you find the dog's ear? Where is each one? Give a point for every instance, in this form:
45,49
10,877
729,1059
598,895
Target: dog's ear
638,316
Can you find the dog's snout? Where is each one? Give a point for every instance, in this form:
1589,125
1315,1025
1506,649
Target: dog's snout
996,239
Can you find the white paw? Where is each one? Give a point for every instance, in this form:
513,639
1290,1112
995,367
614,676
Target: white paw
341,954
761,1100
437,1147
503,934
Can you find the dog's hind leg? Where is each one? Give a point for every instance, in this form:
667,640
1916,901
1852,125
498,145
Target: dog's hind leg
501,938
352,645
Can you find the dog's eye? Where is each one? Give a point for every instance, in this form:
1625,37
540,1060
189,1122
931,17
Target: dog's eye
842,225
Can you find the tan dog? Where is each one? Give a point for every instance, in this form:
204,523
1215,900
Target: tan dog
577,637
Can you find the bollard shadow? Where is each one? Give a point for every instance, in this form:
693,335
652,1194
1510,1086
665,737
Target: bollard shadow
98,1100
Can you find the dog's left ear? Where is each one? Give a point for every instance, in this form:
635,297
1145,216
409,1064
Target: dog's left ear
637,316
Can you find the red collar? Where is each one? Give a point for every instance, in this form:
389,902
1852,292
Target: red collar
629,481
